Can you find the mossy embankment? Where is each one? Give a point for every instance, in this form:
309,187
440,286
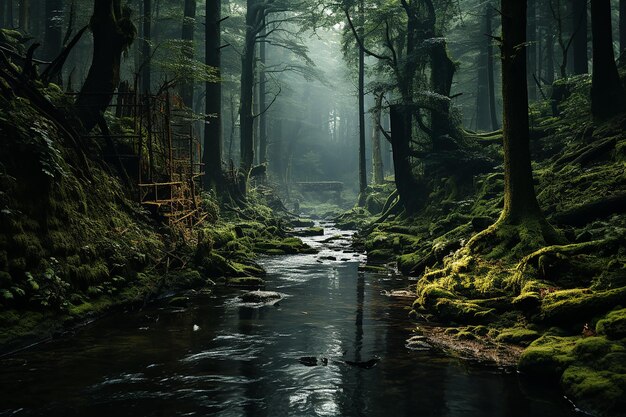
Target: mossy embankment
563,304
75,244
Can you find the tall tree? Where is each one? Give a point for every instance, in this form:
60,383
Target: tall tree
254,17
377,159
622,25
212,156
262,97
24,14
532,49
53,30
189,24
607,92
521,225
486,117
113,32
361,93
147,47
579,45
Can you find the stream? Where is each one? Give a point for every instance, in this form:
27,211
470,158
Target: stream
220,356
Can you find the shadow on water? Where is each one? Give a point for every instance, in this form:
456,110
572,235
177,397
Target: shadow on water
222,358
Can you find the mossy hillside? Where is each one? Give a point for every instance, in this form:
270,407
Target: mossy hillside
525,288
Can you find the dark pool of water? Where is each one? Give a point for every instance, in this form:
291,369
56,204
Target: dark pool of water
219,357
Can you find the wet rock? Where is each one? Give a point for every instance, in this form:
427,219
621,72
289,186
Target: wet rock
364,364
418,343
260,296
310,231
313,361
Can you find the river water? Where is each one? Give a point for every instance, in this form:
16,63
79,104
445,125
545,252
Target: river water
222,357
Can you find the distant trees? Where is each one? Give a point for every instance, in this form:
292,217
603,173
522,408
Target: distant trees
486,111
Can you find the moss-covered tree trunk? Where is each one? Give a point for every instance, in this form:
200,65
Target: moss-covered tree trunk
113,32
521,227
607,92
212,156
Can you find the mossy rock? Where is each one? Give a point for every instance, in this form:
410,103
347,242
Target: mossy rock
548,356
459,311
613,325
310,231
380,255
518,336
187,278
527,302
246,282
579,305
302,223
601,391
431,293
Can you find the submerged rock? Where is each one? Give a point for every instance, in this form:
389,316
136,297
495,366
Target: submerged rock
260,296
313,361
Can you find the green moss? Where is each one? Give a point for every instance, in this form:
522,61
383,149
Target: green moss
187,278
458,311
613,325
600,390
246,282
431,293
518,336
579,305
548,356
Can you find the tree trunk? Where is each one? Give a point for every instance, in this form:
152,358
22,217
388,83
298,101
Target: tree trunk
549,76
622,25
409,191
3,14
146,82
246,119
262,100
607,91
189,23
377,160
113,32
532,49
483,93
24,15
212,157
491,72
53,32
519,194
579,43
361,92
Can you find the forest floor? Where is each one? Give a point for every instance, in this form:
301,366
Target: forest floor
559,309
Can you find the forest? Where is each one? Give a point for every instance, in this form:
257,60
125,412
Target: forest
313,207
